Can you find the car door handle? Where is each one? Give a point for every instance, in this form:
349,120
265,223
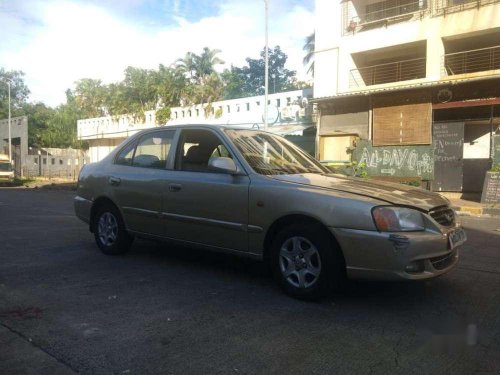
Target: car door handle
114,181
174,187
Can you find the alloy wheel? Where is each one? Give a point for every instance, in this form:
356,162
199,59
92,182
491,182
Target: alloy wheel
107,229
300,262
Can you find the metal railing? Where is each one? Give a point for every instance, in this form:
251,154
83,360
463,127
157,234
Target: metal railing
478,60
385,12
443,7
404,70
379,12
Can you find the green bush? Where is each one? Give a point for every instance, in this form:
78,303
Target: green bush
162,115
412,183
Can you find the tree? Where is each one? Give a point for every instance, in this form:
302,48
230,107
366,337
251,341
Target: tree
252,76
205,63
53,127
18,92
116,99
62,128
197,67
186,65
39,116
138,91
170,86
309,47
203,84
234,83
89,97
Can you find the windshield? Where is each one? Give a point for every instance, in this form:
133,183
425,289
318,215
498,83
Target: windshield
5,166
269,154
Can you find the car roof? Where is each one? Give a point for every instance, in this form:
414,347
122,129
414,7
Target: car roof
212,126
205,126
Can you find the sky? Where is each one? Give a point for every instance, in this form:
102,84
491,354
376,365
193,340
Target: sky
56,42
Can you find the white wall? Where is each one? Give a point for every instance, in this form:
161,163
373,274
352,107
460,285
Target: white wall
104,133
244,111
114,126
100,148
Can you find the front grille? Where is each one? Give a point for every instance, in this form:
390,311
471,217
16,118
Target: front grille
443,261
444,216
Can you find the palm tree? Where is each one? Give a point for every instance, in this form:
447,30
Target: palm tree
198,67
205,84
309,49
186,64
206,62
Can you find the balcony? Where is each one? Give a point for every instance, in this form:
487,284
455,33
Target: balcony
397,71
359,16
477,60
443,7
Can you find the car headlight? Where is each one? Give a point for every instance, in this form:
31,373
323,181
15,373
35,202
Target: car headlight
397,219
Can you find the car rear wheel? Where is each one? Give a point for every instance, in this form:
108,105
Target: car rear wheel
306,262
109,231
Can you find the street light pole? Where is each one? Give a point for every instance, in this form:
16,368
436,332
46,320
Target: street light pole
10,138
266,74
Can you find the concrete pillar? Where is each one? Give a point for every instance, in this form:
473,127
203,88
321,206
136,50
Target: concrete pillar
435,56
328,34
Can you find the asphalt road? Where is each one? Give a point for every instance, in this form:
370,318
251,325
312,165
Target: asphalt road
67,308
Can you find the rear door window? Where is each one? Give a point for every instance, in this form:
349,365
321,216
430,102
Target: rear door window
126,155
151,151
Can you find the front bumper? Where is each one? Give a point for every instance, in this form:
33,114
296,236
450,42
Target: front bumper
389,256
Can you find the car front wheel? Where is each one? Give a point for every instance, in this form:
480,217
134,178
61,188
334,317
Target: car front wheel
306,262
109,231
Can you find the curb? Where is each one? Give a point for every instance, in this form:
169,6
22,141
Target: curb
477,211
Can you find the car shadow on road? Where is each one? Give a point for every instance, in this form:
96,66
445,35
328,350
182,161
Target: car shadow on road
254,273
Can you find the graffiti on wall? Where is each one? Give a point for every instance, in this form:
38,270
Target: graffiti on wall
401,161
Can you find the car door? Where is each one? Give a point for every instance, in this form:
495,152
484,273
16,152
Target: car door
204,206
138,180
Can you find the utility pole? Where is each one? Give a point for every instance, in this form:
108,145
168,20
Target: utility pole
10,136
266,73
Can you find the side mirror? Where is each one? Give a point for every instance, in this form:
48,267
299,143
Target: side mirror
222,164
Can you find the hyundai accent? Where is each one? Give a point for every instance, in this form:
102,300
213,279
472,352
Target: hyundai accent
255,194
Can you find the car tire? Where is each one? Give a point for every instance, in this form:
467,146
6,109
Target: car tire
307,262
109,231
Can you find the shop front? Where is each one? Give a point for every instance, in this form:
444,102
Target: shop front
440,136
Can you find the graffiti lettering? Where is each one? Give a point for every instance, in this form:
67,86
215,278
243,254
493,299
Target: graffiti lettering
397,159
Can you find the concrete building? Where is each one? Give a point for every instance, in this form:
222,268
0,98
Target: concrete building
411,88
19,140
289,114
32,162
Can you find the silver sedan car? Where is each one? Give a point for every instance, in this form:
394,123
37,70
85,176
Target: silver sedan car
255,194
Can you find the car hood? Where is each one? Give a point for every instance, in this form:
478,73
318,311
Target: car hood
393,193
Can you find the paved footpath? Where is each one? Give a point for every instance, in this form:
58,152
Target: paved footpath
67,308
